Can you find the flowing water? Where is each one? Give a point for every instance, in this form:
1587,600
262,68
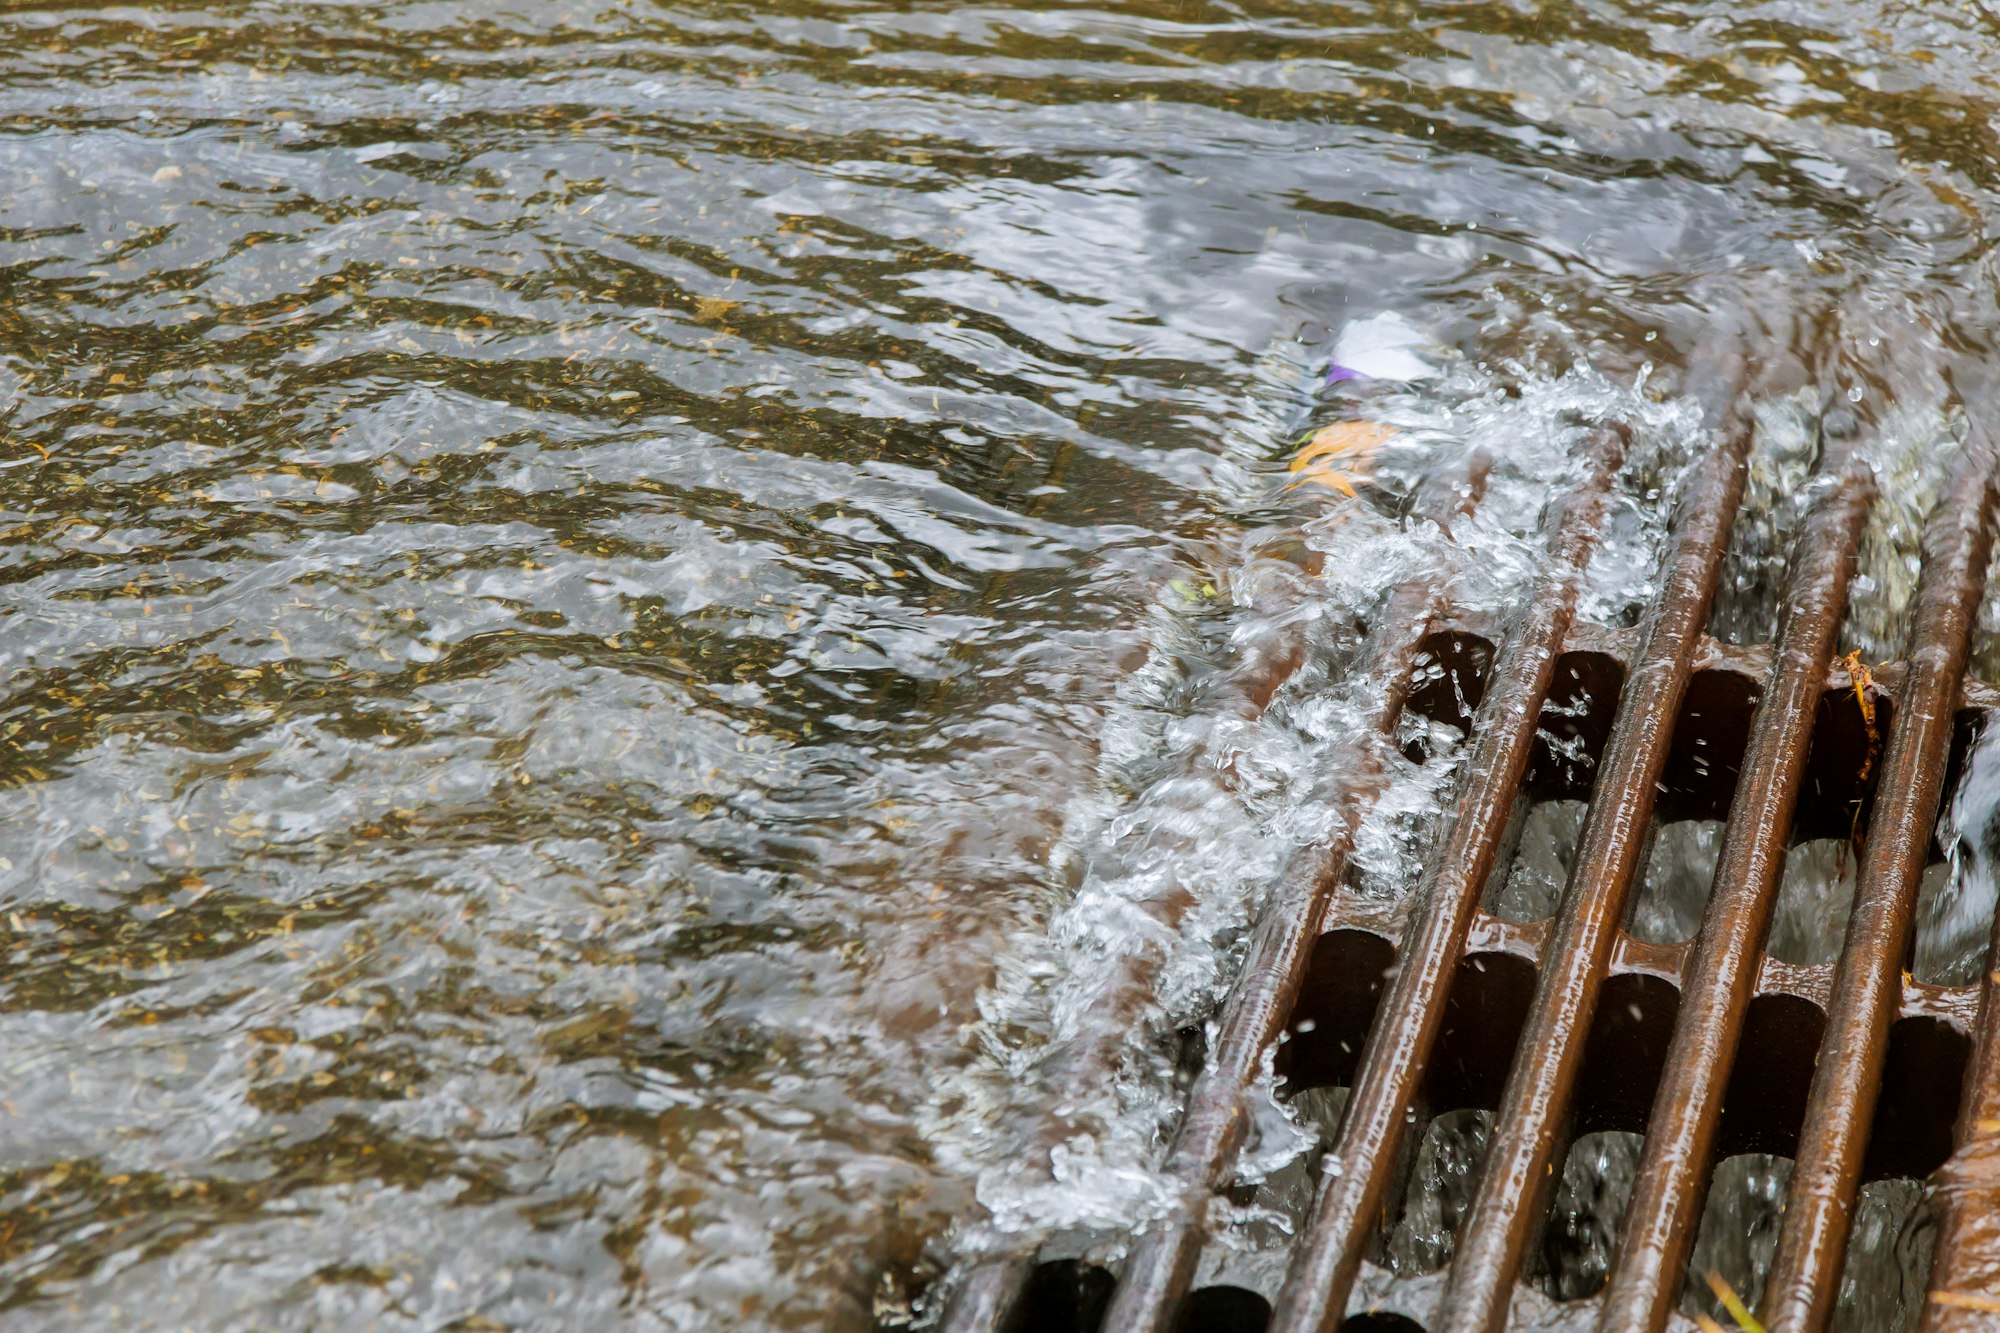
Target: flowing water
615,611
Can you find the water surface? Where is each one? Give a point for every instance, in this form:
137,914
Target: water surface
611,608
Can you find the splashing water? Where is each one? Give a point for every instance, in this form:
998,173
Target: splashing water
615,610
1201,805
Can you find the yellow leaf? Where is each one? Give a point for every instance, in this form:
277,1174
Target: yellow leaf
1343,437
1733,1303
710,308
1328,478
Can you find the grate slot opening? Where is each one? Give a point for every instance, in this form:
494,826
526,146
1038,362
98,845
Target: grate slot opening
1842,766
1580,1237
1968,730
1738,1231
1815,899
1444,1175
1318,1111
1706,753
1483,1018
1574,727
1625,1052
1380,1321
1955,906
1921,1083
1671,896
1337,1004
1449,678
1533,865
1223,1310
1764,1102
1063,1296
1954,924
1891,1240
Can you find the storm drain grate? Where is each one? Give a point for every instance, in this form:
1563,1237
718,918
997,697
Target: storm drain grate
1569,1025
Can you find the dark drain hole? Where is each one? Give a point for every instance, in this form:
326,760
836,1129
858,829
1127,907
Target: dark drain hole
1380,1323
1336,1007
1063,1296
1223,1310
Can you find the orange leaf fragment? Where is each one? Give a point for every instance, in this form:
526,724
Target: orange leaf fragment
1327,477
1353,439
1343,437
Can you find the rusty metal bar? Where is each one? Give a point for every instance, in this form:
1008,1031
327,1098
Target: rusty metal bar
1661,1220
987,1298
1532,1118
1355,1171
1812,1242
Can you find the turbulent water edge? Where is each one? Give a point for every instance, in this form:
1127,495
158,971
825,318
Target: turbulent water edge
1199,807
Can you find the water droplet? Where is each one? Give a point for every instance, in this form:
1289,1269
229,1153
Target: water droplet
1854,393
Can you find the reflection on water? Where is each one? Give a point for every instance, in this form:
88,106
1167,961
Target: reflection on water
613,608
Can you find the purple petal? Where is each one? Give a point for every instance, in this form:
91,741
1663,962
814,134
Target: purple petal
1336,372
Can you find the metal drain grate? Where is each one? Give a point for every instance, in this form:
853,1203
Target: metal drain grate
1570,1025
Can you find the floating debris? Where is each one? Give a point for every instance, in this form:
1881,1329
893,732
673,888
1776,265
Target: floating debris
1380,348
